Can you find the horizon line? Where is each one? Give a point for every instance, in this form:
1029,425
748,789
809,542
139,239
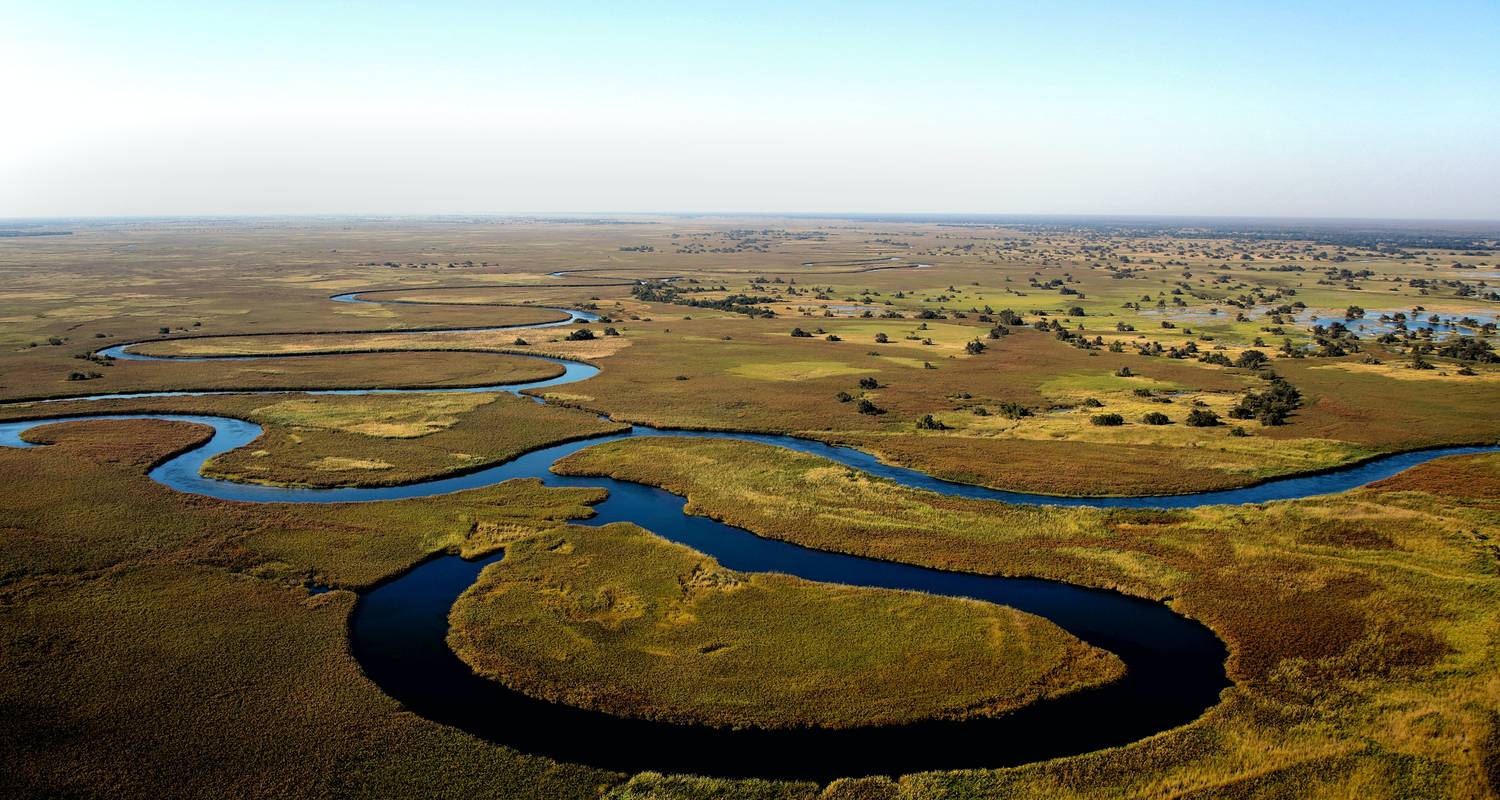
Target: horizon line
874,216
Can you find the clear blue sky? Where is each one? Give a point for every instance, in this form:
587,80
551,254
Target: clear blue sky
1270,108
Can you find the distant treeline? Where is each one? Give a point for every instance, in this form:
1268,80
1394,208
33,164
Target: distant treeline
661,292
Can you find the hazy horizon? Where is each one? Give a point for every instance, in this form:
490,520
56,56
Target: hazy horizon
912,217
1144,109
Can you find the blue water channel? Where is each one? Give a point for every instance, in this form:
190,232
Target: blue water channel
1174,665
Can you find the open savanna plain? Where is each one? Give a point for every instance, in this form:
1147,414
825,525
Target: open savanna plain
157,644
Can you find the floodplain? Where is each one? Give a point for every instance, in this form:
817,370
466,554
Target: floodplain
1077,360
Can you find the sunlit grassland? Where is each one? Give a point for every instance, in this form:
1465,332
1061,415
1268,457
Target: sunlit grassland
396,438
617,619
138,623
735,374
1360,626
114,514
362,440
140,626
353,371
543,341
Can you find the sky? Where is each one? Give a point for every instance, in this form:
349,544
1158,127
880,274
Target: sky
1325,109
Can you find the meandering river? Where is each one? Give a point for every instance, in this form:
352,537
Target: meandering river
1175,666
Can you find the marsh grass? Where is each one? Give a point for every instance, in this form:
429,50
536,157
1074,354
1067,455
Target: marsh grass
1360,626
617,619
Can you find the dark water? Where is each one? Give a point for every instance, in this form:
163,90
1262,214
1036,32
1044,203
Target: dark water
1175,666
1175,669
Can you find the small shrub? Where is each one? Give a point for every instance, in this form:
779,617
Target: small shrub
1156,418
1108,420
581,335
927,423
1124,372
1011,410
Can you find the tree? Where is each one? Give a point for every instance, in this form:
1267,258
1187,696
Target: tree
869,383
1124,372
927,423
1270,407
867,407
974,347
1251,359
881,338
1202,418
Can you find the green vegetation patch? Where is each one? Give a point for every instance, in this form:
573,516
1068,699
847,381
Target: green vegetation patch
620,620
396,417
796,370
338,440
1360,626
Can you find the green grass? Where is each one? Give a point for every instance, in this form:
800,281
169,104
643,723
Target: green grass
1360,626
136,624
363,440
619,620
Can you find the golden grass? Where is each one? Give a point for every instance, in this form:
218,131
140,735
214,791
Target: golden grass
616,619
1360,626
136,624
383,416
